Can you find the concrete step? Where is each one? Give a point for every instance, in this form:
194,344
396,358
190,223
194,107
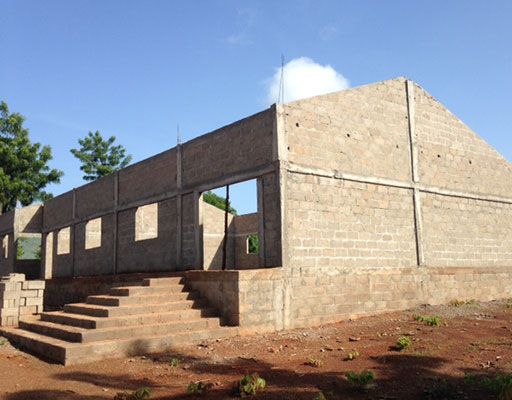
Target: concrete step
64,318
142,290
109,311
163,281
89,322
126,332
75,353
46,347
74,334
57,331
158,298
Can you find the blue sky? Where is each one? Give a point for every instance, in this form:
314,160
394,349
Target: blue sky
136,69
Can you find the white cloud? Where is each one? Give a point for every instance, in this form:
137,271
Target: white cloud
305,78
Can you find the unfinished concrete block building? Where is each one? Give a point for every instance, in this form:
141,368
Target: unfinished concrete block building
371,199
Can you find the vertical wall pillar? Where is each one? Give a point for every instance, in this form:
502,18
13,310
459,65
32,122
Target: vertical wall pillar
47,256
115,223
261,224
179,212
409,88
72,235
198,229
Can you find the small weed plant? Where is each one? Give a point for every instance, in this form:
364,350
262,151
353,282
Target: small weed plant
418,317
175,362
314,362
142,393
199,387
3,342
460,303
430,321
403,342
456,303
469,380
500,385
433,321
352,356
251,384
319,396
362,380
444,391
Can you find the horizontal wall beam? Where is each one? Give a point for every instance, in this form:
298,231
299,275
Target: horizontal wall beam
335,174
201,187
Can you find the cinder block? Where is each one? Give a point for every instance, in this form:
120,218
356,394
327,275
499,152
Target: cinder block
9,287
28,310
10,295
36,284
5,312
15,277
29,293
34,301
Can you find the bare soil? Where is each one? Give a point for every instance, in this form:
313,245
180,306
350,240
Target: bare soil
466,357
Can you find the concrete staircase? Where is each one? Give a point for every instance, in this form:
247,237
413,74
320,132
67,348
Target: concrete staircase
132,320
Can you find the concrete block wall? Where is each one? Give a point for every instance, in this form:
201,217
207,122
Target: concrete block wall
363,131
173,181
250,299
239,228
459,232
344,224
451,155
213,238
389,201
245,225
20,223
19,298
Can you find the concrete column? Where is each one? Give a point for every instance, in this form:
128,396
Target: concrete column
261,224
198,229
179,213
409,88
116,228
72,235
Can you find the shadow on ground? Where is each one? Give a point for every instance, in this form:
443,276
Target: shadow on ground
397,376
52,395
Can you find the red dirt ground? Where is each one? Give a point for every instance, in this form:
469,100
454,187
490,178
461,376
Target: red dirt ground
450,361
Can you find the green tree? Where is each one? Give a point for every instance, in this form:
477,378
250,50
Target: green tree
24,170
100,157
217,201
254,244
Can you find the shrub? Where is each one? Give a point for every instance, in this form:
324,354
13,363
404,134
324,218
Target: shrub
403,342
418,317
352,356
250,384
199,387
433,321
140,394
362,380
314,362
